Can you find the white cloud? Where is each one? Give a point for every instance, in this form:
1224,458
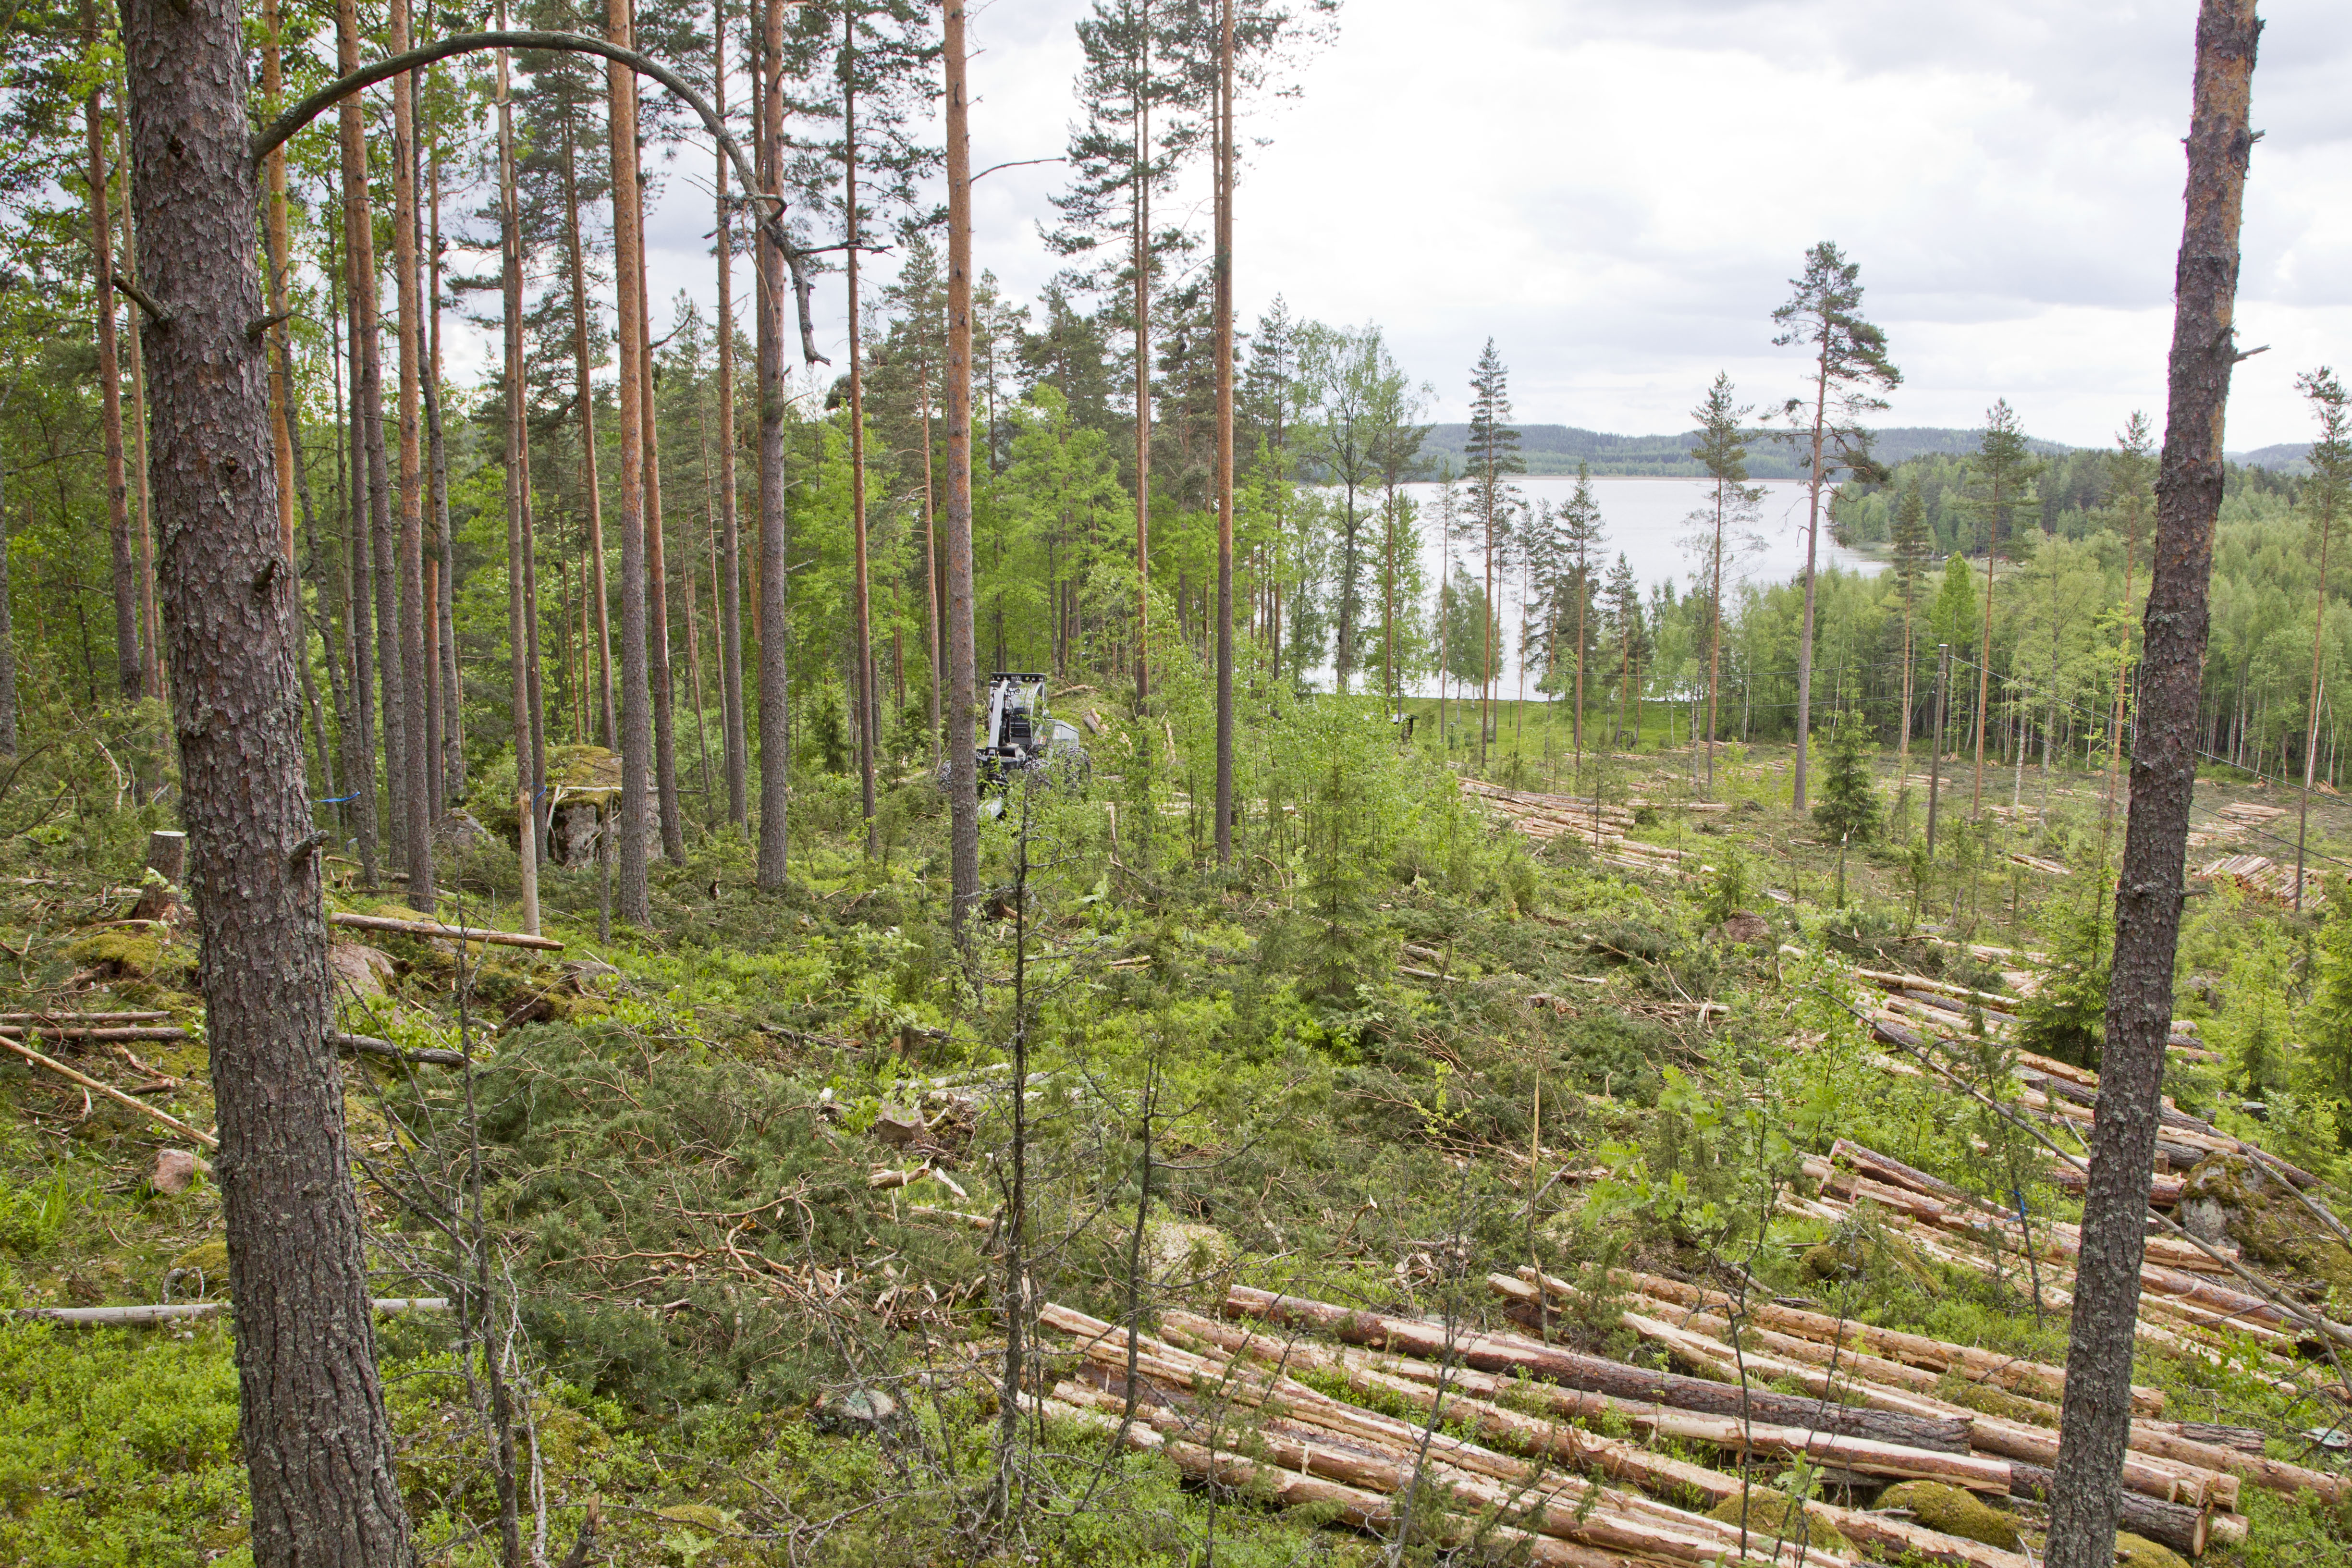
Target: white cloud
1618,193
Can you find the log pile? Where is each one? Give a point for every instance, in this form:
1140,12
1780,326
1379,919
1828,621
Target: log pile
1604,829
1487,1425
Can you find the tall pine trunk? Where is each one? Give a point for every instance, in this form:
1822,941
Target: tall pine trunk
2097,1416
731,594
1142,210
317,1444
862,627
516,439
359,738
635,896
451,748
591,481
673,820
1812,544
775,749
963,680
417,761
1224,156
127,665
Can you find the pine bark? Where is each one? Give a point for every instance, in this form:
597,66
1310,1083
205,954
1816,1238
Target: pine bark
413,609
2096,1419
628,271
962,714
775,746
1812,544
317,1443
1143,370
450,747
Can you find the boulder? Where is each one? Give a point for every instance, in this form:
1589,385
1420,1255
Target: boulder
174,1171
1745,927
1176,1253
2229,1198
357,969
856,1410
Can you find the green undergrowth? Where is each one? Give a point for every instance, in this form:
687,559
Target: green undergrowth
1321,1073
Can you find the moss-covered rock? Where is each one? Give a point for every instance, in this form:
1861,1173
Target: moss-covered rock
1954,1511
2229,1197
1776,1515
203,1268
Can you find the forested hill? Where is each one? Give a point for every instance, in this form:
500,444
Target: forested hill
1557,448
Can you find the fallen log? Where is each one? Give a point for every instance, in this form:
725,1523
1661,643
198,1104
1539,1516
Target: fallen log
91,1032
445,932
1596,1374
369,1046
173,1312
108,1089
70,1017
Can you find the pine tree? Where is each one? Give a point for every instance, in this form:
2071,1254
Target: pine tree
1849,358
1492,451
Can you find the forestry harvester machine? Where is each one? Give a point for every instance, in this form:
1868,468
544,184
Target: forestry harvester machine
1021,740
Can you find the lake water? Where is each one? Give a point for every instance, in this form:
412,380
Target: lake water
1648,521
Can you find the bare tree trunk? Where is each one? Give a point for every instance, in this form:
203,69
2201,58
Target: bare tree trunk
963,680
1224,156
731,596
862,628
1812,544
775,753
8,635
1142,374
359,738
415,610
126,668
142,530
517,439
590,482
367,413
933,634
628,274
451,751
673,820
1714,652
2097,1405
318,1445
281,387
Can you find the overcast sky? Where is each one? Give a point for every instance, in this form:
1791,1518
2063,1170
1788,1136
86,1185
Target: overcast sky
1618,191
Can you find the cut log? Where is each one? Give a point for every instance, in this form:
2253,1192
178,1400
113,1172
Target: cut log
1596,1374
72,1020
444,932
369,1046
100,1032
173,1312
108,1089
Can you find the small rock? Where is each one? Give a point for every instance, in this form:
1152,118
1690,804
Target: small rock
461,830
358,970
1745,927
1177,1253
174,1170
899,1128
859,1410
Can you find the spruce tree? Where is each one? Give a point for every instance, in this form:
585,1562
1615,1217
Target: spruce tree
1492,451
2000,489
1848,812
1727,520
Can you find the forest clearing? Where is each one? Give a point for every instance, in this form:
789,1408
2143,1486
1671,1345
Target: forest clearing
945,927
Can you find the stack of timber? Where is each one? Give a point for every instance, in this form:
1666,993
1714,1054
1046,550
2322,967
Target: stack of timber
2264,877
1605,830
1496,1429
2190,1304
